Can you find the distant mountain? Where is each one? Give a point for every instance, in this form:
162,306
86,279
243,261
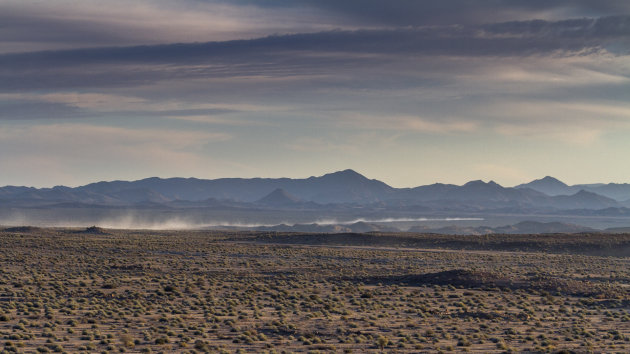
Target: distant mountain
347,189
493,192
547,185
340,187
553,187
139,195
345,186
475,196
619,192
472,191
9,191
279,197
583,200
44,196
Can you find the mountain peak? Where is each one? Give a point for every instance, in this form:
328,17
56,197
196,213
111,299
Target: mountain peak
279,197
480,183
547,181
547,185
476,182
346,174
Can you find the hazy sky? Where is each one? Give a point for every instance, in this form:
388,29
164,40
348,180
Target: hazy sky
410,92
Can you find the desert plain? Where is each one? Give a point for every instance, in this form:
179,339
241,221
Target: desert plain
106,291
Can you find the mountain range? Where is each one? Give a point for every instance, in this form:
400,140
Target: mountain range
552,186
346,187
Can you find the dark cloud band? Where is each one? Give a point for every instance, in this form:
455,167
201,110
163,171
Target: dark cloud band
502,39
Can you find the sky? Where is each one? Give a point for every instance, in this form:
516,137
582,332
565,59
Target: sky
409,92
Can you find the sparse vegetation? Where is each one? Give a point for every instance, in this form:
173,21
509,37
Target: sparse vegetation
142,291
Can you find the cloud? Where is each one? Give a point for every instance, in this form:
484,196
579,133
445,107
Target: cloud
315,144
66,24
213,119
84,135
249,86
557,73
75,100
406,124
587,29
74,152
306,54
426,12
572,135
565,111
16,110
573,123
506,39
69,104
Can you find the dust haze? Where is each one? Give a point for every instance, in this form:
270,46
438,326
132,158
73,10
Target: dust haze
142,221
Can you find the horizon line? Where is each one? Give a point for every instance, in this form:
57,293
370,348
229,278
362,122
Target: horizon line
131,180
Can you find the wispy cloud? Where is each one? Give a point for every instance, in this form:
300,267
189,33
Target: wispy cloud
573,135
65,24
77,140
67,149
405,123
410,12
16,106
322,53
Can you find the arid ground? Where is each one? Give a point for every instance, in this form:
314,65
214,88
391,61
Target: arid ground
111,291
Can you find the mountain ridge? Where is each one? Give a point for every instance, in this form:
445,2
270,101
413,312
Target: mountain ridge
554,187
341,187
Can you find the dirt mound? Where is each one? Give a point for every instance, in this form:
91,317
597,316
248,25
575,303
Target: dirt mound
461,277
478,279
22,229
456,277
94,230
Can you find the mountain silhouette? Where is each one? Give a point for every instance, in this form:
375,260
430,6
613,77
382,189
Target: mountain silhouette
548,185
279,197
343,188
583,200
553,187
